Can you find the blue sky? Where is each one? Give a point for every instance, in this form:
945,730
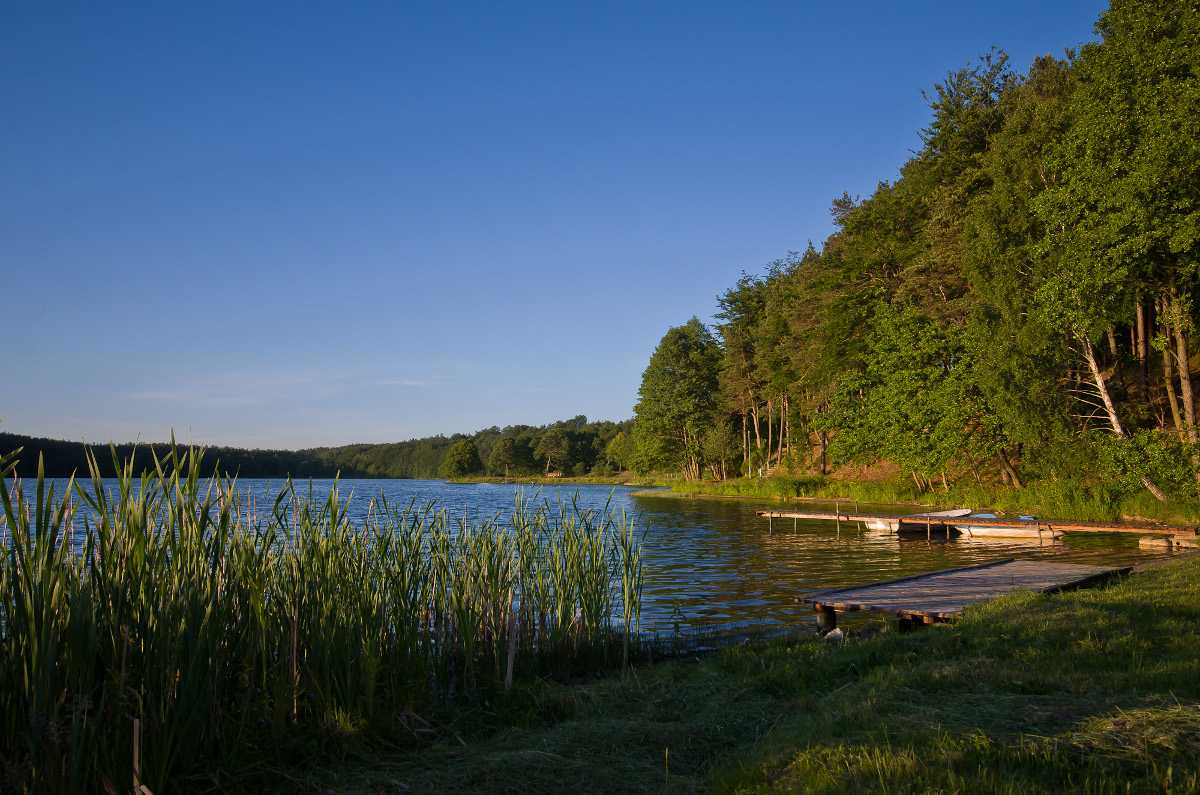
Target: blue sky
268,225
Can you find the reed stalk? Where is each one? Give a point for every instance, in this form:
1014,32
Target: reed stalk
167,601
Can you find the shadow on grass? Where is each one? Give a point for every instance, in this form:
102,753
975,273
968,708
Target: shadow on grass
1090,691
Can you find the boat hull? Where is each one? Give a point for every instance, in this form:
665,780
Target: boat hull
974,531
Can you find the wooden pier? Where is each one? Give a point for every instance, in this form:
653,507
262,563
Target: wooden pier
941,595
927,520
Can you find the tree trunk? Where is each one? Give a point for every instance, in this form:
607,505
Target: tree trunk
1098,379
1112,342
1185,380
782,430
770,430
1089,355
824,448
745,443
1140,347
1169,384
1010,472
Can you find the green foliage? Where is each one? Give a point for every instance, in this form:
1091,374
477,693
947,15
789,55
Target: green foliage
1125,207
720,447
989,311
416,458
914,403
619,451
1123,462
677,399
553,446
503,456
461,459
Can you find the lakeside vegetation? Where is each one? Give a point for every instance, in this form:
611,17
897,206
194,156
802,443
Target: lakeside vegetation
619,479
172,621
1061,499
1016,309
1093,691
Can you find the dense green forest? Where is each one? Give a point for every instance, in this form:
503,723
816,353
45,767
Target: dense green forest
572,447
1017,305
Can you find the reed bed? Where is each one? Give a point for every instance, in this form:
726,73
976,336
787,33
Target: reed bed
161,624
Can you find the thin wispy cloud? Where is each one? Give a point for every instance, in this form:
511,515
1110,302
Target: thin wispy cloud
416,383
262,387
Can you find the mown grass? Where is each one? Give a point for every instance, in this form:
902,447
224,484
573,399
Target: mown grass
183,639
1091,691
1061,499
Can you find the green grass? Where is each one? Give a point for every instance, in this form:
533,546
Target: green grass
212,638
619,479
1091,691
1061,499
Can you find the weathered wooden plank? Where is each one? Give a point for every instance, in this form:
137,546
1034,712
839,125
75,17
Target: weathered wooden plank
943,594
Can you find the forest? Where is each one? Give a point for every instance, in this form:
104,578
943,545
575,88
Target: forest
571,447
1018,304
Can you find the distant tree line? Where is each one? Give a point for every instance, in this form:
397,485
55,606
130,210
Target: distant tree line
570,447
1019,303
63,458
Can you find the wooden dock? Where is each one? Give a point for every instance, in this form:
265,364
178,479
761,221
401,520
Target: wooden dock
941,595
946,522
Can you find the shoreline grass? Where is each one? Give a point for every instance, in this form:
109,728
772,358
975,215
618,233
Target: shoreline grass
175,624
621,479
1089,691
1058,499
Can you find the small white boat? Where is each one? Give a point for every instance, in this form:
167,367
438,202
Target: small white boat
913,521
1028,528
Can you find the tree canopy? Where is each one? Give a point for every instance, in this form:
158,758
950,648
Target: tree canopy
1019,300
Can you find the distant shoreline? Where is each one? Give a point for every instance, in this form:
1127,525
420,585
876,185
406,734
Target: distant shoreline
624,479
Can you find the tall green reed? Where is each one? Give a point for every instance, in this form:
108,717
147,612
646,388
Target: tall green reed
163,617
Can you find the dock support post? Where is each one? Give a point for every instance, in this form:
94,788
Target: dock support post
837,512
770,523
928,530
826,619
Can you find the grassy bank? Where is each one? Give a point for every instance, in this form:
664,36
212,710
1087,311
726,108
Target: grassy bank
1092,691
1060,499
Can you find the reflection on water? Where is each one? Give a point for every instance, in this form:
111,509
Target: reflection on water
714,561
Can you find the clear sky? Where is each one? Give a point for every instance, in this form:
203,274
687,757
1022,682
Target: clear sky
299,224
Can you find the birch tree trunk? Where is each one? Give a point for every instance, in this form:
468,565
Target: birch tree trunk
770,430
757,434
745,443
1089,354
782,430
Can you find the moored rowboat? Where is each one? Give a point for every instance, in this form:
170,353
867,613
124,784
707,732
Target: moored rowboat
1028,527
913,522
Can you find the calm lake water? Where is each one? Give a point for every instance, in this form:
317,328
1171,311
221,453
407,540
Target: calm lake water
712,561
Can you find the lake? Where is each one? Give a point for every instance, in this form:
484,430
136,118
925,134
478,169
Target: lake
712,561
